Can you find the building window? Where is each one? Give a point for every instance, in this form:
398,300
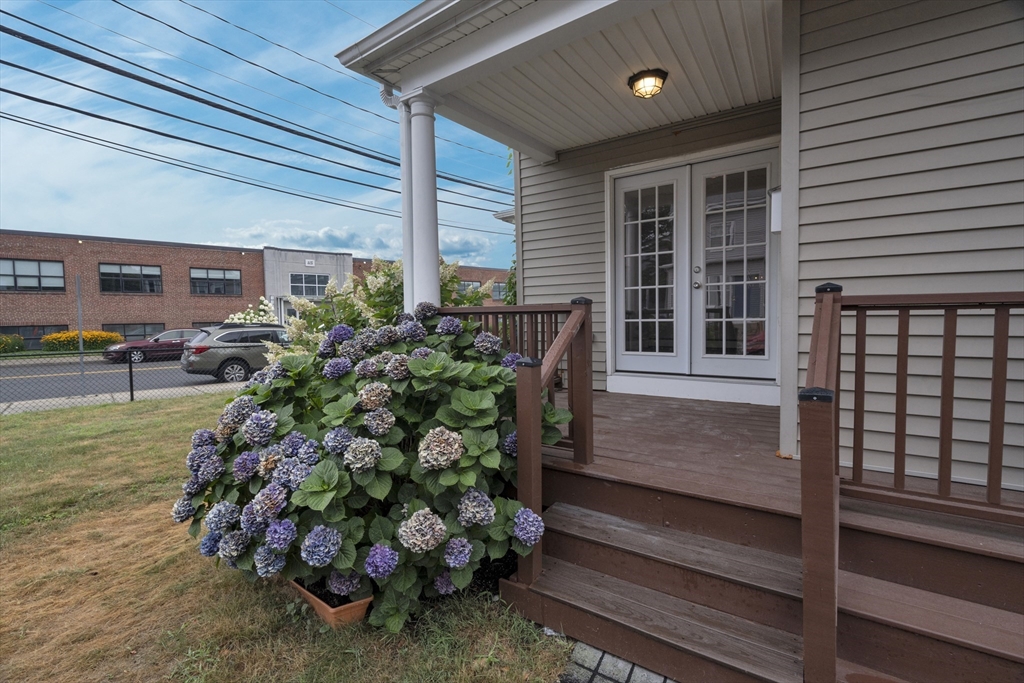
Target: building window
467,285
32,333
31,276
116,277
216,281
498,290
309,285
135,331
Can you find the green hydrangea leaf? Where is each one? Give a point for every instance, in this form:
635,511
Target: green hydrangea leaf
390,459
404,578
497,532
551,435
379,486
381,530
448,477
346,556
284,425
479,550
467,478
395,622
491,459
462,577
451,417
356,529
497,549
195,527
520,547
255,484
485,418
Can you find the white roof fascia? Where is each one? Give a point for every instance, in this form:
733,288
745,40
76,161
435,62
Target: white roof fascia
460,111
534,30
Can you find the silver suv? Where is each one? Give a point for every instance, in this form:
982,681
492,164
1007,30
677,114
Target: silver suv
231,351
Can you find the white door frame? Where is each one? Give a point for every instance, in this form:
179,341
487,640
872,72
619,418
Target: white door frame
762,392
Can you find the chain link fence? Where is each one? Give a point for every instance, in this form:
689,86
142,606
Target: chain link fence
47,380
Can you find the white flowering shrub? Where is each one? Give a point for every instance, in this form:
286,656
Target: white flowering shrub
377,463
261,315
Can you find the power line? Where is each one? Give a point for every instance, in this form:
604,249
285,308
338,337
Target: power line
341,144
220,173
348,13
242,135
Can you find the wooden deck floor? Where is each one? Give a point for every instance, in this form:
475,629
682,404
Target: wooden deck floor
724,451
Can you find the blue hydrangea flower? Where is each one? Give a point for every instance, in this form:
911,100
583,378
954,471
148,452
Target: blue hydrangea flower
366,339
413,331
275,371
251,522
366,369
340,333
291,472
457,552
263,509
233,545
211,469
424,310
486,343
529,526
320,546
509,361
326,349
362,455
511,444
203,437
337,440
210,544
351,350
381,561
197,456
235,414
193,486
245,465
443,583
280,534
293,442
475,508
374,395
379,422
222,516
449,325
421,352
259,428
398,368
267,561
309,454
404,318
342,584
387,335
336,368
183,510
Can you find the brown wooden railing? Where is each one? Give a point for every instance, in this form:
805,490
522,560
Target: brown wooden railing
552,338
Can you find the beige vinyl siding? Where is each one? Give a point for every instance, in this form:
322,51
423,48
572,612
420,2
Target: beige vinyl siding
912,181
562,224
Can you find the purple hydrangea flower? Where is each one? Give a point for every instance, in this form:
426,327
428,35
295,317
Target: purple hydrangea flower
422,532
210,544
280,534
404,318
245,465
366,369
291,472
421,352
511,444
457,552
234,416
387,335
251,522
203,437
222,516
398,368
374,395
258,377
309,453
336,368
351,350
263,508
260,426
443,583
198,456
509,361
275,371
424,310
342,584
487,344
381,561
340,333
326,349
529,526
362,455
267,561
183,510
379,422
449,325
293,442
337,440
475,508
320,546
233,545
193,486
366,339
413,331
211,469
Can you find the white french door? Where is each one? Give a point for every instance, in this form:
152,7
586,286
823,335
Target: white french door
693,274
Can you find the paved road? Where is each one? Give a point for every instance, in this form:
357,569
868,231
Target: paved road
60,378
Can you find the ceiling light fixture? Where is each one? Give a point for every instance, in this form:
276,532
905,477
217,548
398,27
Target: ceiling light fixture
647,84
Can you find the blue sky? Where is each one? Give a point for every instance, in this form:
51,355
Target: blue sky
53,183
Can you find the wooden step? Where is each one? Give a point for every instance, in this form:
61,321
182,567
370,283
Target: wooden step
674,637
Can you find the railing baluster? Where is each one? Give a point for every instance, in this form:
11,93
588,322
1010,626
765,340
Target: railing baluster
997,416
582,385
946,402
860,360
531,335
900,445
528,426
549,329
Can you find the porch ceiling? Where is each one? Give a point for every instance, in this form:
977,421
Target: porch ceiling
563,84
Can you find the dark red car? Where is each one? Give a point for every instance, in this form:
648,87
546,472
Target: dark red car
164,346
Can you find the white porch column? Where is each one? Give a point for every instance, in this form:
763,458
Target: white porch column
425,251
405,144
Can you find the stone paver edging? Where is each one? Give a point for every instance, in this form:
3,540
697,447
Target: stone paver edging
590,665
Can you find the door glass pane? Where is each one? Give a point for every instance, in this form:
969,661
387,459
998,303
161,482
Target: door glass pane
713,266
733,338
665,201
713,305
755,225
632,304
647,202
633,336
648,242
664,235
666,340
648,303
734,265
648,337
630,207
632,238
755,300
713,338
734,301
648,270
666,271
755,338
734,190
665,302
733,228
632,271
713,194
756,185
713,230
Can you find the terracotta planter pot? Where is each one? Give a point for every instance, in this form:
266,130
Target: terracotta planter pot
335,616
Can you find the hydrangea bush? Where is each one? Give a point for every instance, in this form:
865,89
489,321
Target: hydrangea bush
378,461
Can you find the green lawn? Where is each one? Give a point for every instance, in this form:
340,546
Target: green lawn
99,585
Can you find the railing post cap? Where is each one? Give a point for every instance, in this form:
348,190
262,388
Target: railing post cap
828,287
527,362
581,301
816,394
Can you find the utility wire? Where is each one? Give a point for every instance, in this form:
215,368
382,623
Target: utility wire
344,145
235,133
219,173
226,150
348,13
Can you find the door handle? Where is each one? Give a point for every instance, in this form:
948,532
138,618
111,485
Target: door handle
696,285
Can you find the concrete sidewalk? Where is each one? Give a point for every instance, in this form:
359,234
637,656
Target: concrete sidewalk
58,402
16,360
